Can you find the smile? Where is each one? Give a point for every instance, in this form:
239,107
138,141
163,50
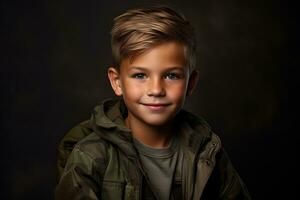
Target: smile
156,107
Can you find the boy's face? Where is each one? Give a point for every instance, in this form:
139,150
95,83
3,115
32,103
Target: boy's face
154,85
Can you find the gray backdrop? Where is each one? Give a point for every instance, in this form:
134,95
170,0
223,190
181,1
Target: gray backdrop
53,72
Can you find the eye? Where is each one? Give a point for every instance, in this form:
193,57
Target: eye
139,75
173,76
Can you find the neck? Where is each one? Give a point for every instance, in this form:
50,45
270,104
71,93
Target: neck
154,136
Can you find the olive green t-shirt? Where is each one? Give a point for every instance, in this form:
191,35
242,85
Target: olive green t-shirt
160,165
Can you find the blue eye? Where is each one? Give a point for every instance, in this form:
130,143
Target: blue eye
139,76
173,76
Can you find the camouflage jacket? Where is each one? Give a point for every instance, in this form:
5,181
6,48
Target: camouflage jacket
97,160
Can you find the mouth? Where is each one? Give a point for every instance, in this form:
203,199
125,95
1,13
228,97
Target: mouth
156,106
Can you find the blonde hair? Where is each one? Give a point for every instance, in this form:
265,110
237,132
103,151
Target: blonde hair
138,30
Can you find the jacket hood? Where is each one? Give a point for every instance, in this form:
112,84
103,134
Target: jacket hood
108,122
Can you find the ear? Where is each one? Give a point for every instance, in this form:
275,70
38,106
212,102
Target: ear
193,80
115,82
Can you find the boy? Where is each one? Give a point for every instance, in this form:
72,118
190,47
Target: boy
144,146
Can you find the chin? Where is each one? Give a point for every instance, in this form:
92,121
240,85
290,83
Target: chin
157,122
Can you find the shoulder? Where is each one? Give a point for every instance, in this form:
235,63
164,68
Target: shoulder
93,146
68,141
73,144
89,154
196,132
76,134
195,122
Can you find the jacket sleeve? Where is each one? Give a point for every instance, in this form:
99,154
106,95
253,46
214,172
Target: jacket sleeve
231,185
80,178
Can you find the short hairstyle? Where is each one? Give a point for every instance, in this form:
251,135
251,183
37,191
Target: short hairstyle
139,30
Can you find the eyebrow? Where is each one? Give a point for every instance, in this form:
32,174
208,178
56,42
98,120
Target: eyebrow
145,69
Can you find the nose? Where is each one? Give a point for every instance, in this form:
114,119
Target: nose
156,88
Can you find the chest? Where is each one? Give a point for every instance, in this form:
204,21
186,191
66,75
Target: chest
126,179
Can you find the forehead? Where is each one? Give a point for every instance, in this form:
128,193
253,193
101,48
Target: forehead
160,57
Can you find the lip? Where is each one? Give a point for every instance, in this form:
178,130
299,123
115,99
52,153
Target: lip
156,107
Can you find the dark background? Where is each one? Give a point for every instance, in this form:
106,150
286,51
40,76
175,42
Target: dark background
53,72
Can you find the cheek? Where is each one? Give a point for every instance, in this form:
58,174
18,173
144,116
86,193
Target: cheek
177,93
131,90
